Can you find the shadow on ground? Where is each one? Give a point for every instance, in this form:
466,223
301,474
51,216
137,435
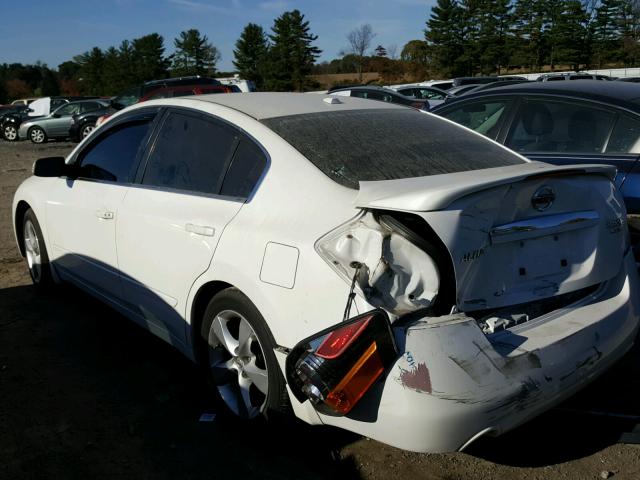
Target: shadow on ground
86,393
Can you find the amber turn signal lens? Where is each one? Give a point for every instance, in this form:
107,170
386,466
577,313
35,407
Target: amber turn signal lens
357,381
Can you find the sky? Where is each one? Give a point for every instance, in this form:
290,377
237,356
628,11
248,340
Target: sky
53,31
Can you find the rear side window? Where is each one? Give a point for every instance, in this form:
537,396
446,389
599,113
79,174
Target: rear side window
556,126
381,144
113,155
625,137
245,170
190,153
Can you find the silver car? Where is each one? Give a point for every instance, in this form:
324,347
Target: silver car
56,125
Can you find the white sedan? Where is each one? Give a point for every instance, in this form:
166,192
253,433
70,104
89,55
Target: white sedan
361,264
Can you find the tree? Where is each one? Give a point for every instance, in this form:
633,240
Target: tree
380,51
445,37
392,51
292,55
194,55
91,72
49,85
568,34
416,55
17,88
607,32
250,54
493,18
529,30
147,53
359,42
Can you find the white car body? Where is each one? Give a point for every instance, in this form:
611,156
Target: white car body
153,253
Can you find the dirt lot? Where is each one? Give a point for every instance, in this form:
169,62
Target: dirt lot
86,394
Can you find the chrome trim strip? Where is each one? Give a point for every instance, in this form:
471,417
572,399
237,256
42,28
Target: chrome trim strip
545,225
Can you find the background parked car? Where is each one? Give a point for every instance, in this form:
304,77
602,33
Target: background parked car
174,91
24,101
434,95
563,123
133,95
57,124
45,105
554,77
83,123
383,95
10,121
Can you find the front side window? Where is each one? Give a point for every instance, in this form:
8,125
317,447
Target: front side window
113,155
190,153
67,110
560,126
483,117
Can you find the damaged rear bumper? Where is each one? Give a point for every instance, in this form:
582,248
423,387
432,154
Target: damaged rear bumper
452,384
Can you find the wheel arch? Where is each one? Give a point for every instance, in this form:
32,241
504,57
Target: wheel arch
21,209
200,301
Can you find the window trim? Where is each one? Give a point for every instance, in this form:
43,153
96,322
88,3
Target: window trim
129,117
238,131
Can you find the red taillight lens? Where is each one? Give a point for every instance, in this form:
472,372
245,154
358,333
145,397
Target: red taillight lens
335,368
338,341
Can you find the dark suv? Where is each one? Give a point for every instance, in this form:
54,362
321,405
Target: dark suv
134,94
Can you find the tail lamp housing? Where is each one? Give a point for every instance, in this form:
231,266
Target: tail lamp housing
333,369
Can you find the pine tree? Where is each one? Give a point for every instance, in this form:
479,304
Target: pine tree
568,34
194,55
493,42
292,55
91,72
529,31
607,32
148,55
380,51
250,54
445,37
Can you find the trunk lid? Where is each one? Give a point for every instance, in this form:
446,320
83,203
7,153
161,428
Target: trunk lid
519,233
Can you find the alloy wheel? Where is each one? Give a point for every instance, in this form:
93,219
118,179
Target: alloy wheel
32,248
10,133
87,129
237,364
37,135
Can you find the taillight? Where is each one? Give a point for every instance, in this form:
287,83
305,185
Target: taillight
336,367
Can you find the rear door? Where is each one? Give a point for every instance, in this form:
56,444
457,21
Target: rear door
173,218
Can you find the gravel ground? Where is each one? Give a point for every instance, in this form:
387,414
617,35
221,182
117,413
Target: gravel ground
87,394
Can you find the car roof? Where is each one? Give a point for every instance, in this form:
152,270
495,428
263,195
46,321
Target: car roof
262,105
623,94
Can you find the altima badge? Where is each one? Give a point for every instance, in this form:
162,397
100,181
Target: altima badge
543,198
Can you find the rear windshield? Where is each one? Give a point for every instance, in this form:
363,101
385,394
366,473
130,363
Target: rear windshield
383,144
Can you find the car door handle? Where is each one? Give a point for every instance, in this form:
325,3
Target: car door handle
200,229
105,214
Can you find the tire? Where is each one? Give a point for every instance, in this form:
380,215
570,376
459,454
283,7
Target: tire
86,129
241,361
10,132
37,135
36,251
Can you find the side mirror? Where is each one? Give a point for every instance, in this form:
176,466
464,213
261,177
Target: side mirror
56,115
50,167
